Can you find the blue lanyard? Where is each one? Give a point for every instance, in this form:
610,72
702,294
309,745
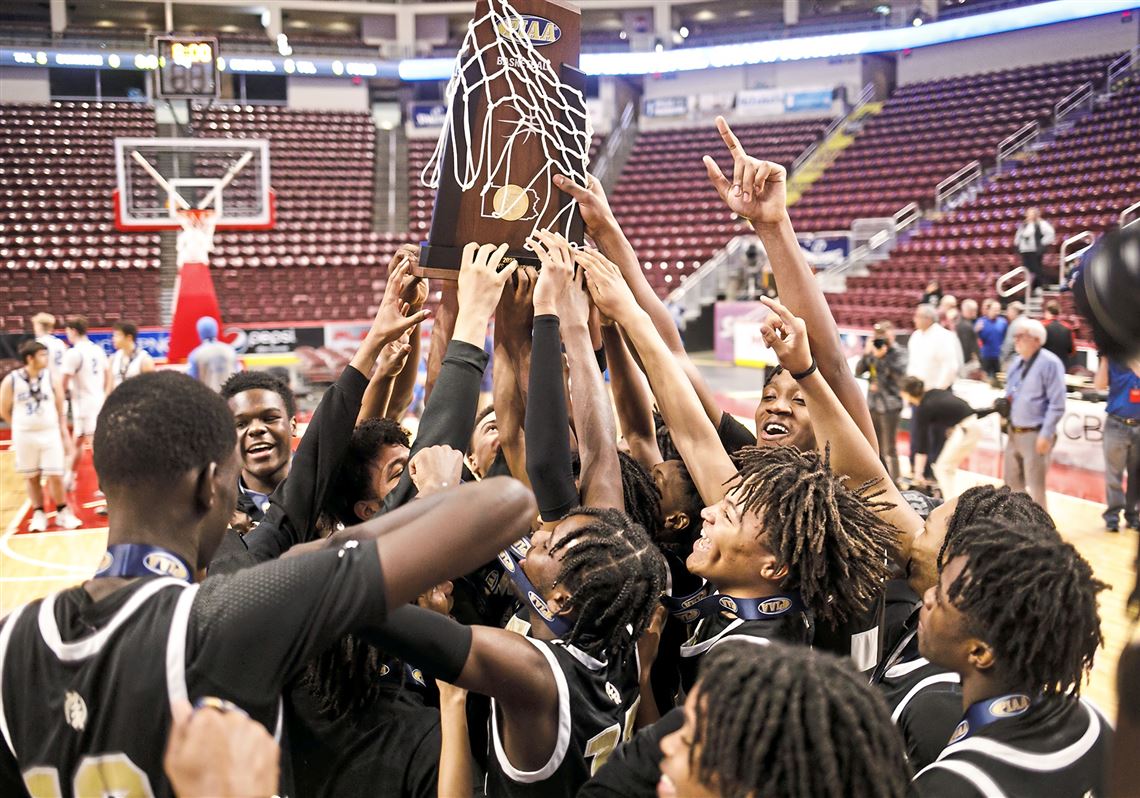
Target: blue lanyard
510,557
702,605
138,559
983,713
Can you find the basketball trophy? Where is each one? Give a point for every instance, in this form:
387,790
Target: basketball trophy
516,117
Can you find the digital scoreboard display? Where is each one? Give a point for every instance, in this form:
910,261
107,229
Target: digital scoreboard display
187,68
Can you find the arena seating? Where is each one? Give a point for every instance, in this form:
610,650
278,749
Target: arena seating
926,132
322,261
58,243
1080,181
664,188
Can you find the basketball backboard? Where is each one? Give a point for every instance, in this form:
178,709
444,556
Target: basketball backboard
155,177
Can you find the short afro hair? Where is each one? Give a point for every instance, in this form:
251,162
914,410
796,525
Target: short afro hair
158,426
260,381
354,480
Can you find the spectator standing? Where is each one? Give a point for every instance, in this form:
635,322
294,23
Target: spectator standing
1035,388
884,363
212,362
933,293
1058,335
967,338
941,421
947,309
1013,312
1121,442
1032,238
991,329
933,353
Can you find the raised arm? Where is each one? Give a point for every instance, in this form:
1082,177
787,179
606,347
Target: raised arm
512,363
607,234
632,400
393,360
851,455
599,483
693,433
757,193
456,778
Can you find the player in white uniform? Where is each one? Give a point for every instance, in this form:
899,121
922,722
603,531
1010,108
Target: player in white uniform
43,324
130,359
86,379
32,403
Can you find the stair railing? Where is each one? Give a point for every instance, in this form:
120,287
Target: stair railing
1069,255
1130,215
618,139
1016,142
958,182
1082,95
906,216
702,284
1004,288
1120,66
836,125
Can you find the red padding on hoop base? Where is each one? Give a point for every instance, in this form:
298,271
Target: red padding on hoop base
194,298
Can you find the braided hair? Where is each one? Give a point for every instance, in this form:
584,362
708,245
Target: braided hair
986,501
1032,597
781,720
831,538
344,678
640,493
615,576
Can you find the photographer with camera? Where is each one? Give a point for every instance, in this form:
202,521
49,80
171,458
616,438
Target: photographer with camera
884,364
943,427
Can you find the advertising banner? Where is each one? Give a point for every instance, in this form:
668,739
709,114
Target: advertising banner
428,115
666,106
825,250
760,102
725,317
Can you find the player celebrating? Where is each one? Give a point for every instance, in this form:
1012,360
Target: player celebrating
89,676
1014,614
86,381
32,403
130,359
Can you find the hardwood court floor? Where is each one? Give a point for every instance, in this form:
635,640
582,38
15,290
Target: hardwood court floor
34,564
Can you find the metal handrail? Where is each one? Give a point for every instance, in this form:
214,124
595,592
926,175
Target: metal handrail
838,123
1125,63
1067,256
614,143
958,182
698,277
1133,211
907,215
1072,101
1017,141
1024,285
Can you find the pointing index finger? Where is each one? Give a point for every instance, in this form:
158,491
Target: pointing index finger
729,137
778,308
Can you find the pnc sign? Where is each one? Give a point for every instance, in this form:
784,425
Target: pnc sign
539,30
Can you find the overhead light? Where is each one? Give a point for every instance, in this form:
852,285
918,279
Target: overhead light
623,36
917,22
683,32
283,44
705,15
265,17
659,47
883,10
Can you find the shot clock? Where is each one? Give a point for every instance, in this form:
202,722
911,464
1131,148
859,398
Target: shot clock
187,68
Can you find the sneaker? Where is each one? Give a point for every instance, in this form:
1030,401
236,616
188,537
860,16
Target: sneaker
1134,524
67,520
38,522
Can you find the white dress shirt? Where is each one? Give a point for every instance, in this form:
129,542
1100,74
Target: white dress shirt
934,356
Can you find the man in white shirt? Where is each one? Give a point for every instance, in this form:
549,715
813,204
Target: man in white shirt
86,379
934,354
43,325
31,401
1033,236
130,359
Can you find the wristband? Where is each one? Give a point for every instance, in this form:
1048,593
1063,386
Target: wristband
805,374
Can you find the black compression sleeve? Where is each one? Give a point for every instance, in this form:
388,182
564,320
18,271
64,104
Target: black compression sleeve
547,424
435,642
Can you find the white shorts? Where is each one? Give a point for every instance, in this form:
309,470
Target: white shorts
38,452
84,413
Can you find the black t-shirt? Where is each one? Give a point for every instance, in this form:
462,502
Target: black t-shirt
1059,340
97,679
734,436
1058,747
635,767
938,411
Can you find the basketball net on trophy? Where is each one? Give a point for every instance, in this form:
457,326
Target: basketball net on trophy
530,103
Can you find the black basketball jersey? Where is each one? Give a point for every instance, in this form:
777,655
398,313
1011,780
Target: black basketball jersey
793,627
86,687
597,707
1057,748
860,637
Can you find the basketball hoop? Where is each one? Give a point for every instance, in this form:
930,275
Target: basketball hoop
196,238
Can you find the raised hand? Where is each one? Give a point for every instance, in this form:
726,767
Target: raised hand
482,275
436,468
592,203
394,355
757,190
606,285
515,315
556,280
395,315
787,336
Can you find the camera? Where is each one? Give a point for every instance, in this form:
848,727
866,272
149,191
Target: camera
879,343
1001,406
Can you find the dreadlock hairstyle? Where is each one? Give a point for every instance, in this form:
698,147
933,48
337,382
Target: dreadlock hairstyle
831,538
664,438
986,501
783,721
1032,597
615,576
639,491
344,678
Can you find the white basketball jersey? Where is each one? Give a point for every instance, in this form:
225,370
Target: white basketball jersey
124,367
33,402
56,350
87,363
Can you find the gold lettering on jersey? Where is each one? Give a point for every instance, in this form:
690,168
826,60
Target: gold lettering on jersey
163,564
1010,705
613,693
75,710
539,30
